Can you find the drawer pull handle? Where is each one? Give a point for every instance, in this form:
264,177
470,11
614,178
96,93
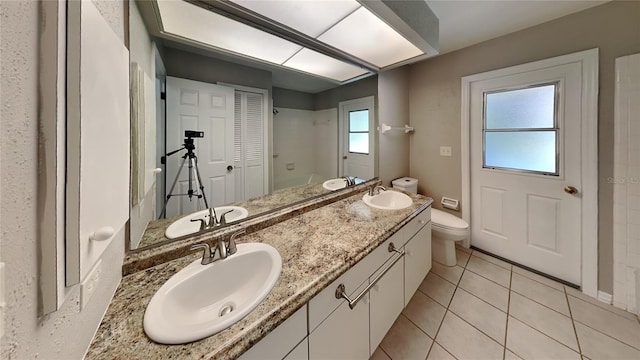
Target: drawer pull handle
342,294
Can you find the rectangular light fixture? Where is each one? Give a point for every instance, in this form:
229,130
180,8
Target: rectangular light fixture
313,62
188,21
192,22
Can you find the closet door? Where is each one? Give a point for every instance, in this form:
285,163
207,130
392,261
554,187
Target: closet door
249,145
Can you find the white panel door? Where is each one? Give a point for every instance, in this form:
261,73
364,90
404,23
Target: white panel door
199,106
525,159
357,141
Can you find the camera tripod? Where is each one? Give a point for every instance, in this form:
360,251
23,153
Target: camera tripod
194,175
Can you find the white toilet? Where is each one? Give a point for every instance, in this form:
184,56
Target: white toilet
446,229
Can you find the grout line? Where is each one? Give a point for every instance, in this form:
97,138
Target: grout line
539,303
573,322
506,325
447,351
602,308
381,349
607,335
483,300
549,336
487,277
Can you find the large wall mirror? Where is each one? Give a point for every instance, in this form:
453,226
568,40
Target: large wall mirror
245,136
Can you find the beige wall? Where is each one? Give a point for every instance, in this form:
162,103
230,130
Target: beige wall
393,110
435,99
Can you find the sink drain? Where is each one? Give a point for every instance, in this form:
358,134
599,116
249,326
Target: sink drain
225,310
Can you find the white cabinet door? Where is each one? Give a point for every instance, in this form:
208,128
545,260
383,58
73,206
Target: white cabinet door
417,262
281,340
344,334
386,303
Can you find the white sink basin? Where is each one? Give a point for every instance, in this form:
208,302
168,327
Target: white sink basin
195,302
388,200
335,184
184,226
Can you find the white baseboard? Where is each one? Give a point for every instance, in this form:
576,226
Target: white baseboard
605,297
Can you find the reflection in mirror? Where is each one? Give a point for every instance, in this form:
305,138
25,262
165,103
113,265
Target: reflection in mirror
210,130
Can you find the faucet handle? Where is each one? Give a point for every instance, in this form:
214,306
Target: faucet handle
206,255
232,241
203,224
223,218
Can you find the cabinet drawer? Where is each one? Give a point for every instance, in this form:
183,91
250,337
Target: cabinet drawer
325,302
281,340
416,224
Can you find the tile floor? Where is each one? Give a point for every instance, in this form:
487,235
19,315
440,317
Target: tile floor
484,308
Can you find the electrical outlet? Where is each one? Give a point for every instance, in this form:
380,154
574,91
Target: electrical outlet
445,150
90,284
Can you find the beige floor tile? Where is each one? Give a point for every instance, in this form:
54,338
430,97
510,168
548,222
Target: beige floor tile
508,355
596,345
480,314
529,343
437,288
450,273
543,294
462,248
486,290
490,271
462,257
538,278
425,312
545,320
578,294
466,342
491,259
438,353
379,355
405,341
621,328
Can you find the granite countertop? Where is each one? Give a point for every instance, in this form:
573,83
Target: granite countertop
316,248
154,233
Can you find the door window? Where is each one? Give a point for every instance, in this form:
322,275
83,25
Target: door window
520,131
359,131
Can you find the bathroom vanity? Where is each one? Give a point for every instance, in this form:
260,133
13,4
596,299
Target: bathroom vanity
341,245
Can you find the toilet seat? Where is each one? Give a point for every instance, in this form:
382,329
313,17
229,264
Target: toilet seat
447,222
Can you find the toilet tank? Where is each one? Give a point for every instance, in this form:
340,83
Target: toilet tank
407,184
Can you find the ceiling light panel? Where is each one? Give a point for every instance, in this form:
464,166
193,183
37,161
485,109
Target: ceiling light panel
192,22
365,36
311,18
314,62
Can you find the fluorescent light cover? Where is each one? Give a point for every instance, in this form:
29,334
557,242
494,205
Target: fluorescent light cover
365,36
316,63
311,18
192,22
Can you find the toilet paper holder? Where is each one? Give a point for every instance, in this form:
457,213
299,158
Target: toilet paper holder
450,203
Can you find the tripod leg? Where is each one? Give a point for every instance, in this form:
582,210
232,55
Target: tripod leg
204,197
164,207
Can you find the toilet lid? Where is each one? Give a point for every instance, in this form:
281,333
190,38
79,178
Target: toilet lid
446,220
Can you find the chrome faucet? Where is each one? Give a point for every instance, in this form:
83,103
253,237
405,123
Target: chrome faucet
224,250
375,190
349,181
213,220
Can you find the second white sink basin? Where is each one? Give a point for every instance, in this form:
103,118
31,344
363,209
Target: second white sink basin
388,200
184,226
335,184
202,300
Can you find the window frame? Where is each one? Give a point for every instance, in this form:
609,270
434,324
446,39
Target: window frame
349,132
555,128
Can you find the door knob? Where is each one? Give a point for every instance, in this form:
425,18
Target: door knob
229,168
571,190
344,157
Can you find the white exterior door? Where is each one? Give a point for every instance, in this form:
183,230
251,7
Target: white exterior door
198,106
357,147
525,146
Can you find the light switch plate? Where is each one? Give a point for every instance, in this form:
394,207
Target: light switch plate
90,284
445,150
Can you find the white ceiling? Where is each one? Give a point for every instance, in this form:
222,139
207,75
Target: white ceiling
465,23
